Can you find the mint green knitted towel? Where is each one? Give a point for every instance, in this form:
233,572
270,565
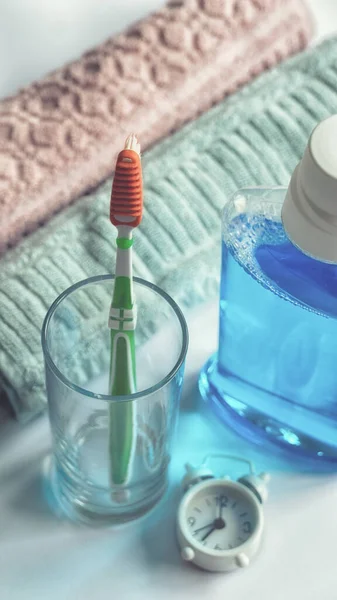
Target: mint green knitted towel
254,138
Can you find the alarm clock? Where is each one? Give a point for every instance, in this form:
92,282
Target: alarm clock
220,521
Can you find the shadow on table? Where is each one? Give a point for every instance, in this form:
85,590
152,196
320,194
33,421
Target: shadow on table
29,498
158,535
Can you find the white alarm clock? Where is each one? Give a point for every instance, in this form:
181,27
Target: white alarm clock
220,522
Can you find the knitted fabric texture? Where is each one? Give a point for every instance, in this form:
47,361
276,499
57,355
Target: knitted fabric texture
59,137
254,138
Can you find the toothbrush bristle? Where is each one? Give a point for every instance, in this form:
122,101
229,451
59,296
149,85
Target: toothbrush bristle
126,206
132,143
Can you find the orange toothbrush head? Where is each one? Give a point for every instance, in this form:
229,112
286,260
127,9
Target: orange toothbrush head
126,206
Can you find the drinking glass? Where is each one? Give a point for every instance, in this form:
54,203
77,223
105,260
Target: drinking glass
76,347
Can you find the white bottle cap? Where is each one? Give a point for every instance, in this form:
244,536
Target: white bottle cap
309,211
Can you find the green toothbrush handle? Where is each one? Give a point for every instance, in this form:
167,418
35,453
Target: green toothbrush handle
121,414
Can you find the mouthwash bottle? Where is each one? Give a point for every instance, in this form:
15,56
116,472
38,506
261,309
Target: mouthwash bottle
275,373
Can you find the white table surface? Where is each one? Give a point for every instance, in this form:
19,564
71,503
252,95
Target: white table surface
43,557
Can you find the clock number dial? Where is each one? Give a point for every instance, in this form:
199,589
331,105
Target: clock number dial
247,527
221,520
221,501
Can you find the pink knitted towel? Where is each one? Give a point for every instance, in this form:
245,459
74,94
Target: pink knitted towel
59,137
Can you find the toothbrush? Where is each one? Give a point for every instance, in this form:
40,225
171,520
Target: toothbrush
126,209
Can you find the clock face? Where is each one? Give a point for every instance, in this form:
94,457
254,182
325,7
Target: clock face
221,517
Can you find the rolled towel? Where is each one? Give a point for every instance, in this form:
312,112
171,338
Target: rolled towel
59,136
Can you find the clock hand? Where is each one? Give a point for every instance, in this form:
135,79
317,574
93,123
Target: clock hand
222,501
208,533
220,508
204,527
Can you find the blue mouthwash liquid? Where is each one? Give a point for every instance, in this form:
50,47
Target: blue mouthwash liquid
276,367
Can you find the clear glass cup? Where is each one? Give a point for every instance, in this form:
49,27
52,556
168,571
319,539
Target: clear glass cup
76,346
